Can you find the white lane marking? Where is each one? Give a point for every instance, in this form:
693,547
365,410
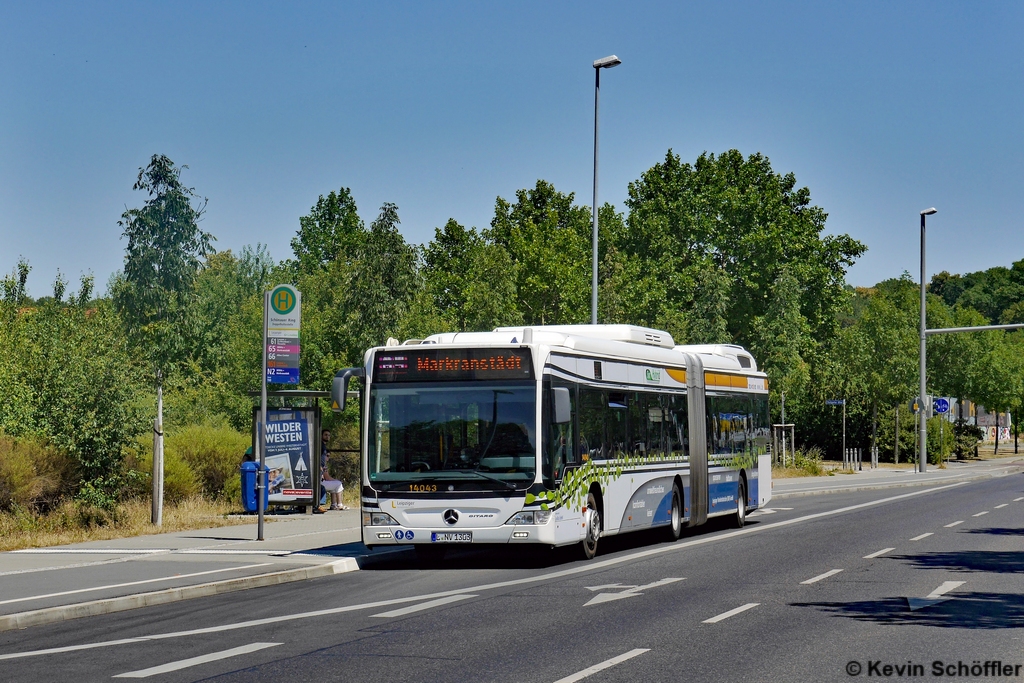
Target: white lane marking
950,526
76,565
91,551
945,588
918,538
423,605
1017,500
731,613
630,592
935,597
875,554
590,670
195,661
133,583
1001,506
231,551
783,508
980,514
572,571
819,577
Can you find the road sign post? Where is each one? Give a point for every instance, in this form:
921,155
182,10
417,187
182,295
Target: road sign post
941,407
282,319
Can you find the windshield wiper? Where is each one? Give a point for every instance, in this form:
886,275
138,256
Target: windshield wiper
505,482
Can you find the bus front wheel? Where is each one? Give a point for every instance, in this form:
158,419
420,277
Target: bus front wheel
592,524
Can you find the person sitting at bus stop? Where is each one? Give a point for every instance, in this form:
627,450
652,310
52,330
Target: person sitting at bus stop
329,484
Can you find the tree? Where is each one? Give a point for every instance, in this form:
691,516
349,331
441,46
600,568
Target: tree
747,220
1000,377
548,240
15,292
449,268
470,282
382,284
163,257
332,230
780,339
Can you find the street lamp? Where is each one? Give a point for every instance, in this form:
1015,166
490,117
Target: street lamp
923,405
605,63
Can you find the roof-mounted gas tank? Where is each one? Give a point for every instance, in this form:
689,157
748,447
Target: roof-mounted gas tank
632,334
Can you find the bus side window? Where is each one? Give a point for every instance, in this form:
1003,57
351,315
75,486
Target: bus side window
592,409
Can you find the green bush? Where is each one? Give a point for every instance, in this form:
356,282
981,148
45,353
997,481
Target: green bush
809,460
180,481
33,474
213,453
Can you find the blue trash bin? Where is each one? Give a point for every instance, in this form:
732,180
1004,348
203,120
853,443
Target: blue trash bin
248,472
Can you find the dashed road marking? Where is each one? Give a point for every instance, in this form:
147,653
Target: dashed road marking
819,577
590,670
401,612
875,554
980,514
950,526
731,613
1001,506
196,661
918,538
935,597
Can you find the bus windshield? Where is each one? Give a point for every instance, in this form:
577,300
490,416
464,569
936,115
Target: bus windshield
455,436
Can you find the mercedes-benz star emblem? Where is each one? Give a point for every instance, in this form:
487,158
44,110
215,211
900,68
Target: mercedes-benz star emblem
450,517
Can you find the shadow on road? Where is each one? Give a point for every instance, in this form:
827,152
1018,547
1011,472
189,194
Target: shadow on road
966,610
996,531
999,562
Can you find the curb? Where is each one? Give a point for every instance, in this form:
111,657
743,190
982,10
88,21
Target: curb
876,487
50,615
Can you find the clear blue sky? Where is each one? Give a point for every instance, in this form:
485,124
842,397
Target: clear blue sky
880,109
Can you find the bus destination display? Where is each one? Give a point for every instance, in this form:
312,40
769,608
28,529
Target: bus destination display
452,365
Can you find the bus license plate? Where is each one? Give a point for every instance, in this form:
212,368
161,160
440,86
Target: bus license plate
451,537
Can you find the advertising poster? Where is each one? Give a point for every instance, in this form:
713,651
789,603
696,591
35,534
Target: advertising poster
289,456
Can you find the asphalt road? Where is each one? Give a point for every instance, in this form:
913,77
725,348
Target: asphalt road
849,582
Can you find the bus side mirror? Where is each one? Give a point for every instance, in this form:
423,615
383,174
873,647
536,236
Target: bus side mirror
561,405
339,387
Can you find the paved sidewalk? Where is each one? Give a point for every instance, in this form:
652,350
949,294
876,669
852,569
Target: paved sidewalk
884,478
42,585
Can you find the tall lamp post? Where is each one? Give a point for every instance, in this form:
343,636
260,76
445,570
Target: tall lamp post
923,406
605,63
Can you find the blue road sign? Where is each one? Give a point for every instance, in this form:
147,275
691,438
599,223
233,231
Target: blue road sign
941,405
836,402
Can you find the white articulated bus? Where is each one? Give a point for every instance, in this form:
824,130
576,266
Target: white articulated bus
555,435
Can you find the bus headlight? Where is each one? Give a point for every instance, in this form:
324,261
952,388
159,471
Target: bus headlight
530,517
378,519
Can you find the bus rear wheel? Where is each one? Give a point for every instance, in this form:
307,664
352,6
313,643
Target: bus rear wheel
675,528
741,504
592,523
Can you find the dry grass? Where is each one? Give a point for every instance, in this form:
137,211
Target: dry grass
70,523
793,472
